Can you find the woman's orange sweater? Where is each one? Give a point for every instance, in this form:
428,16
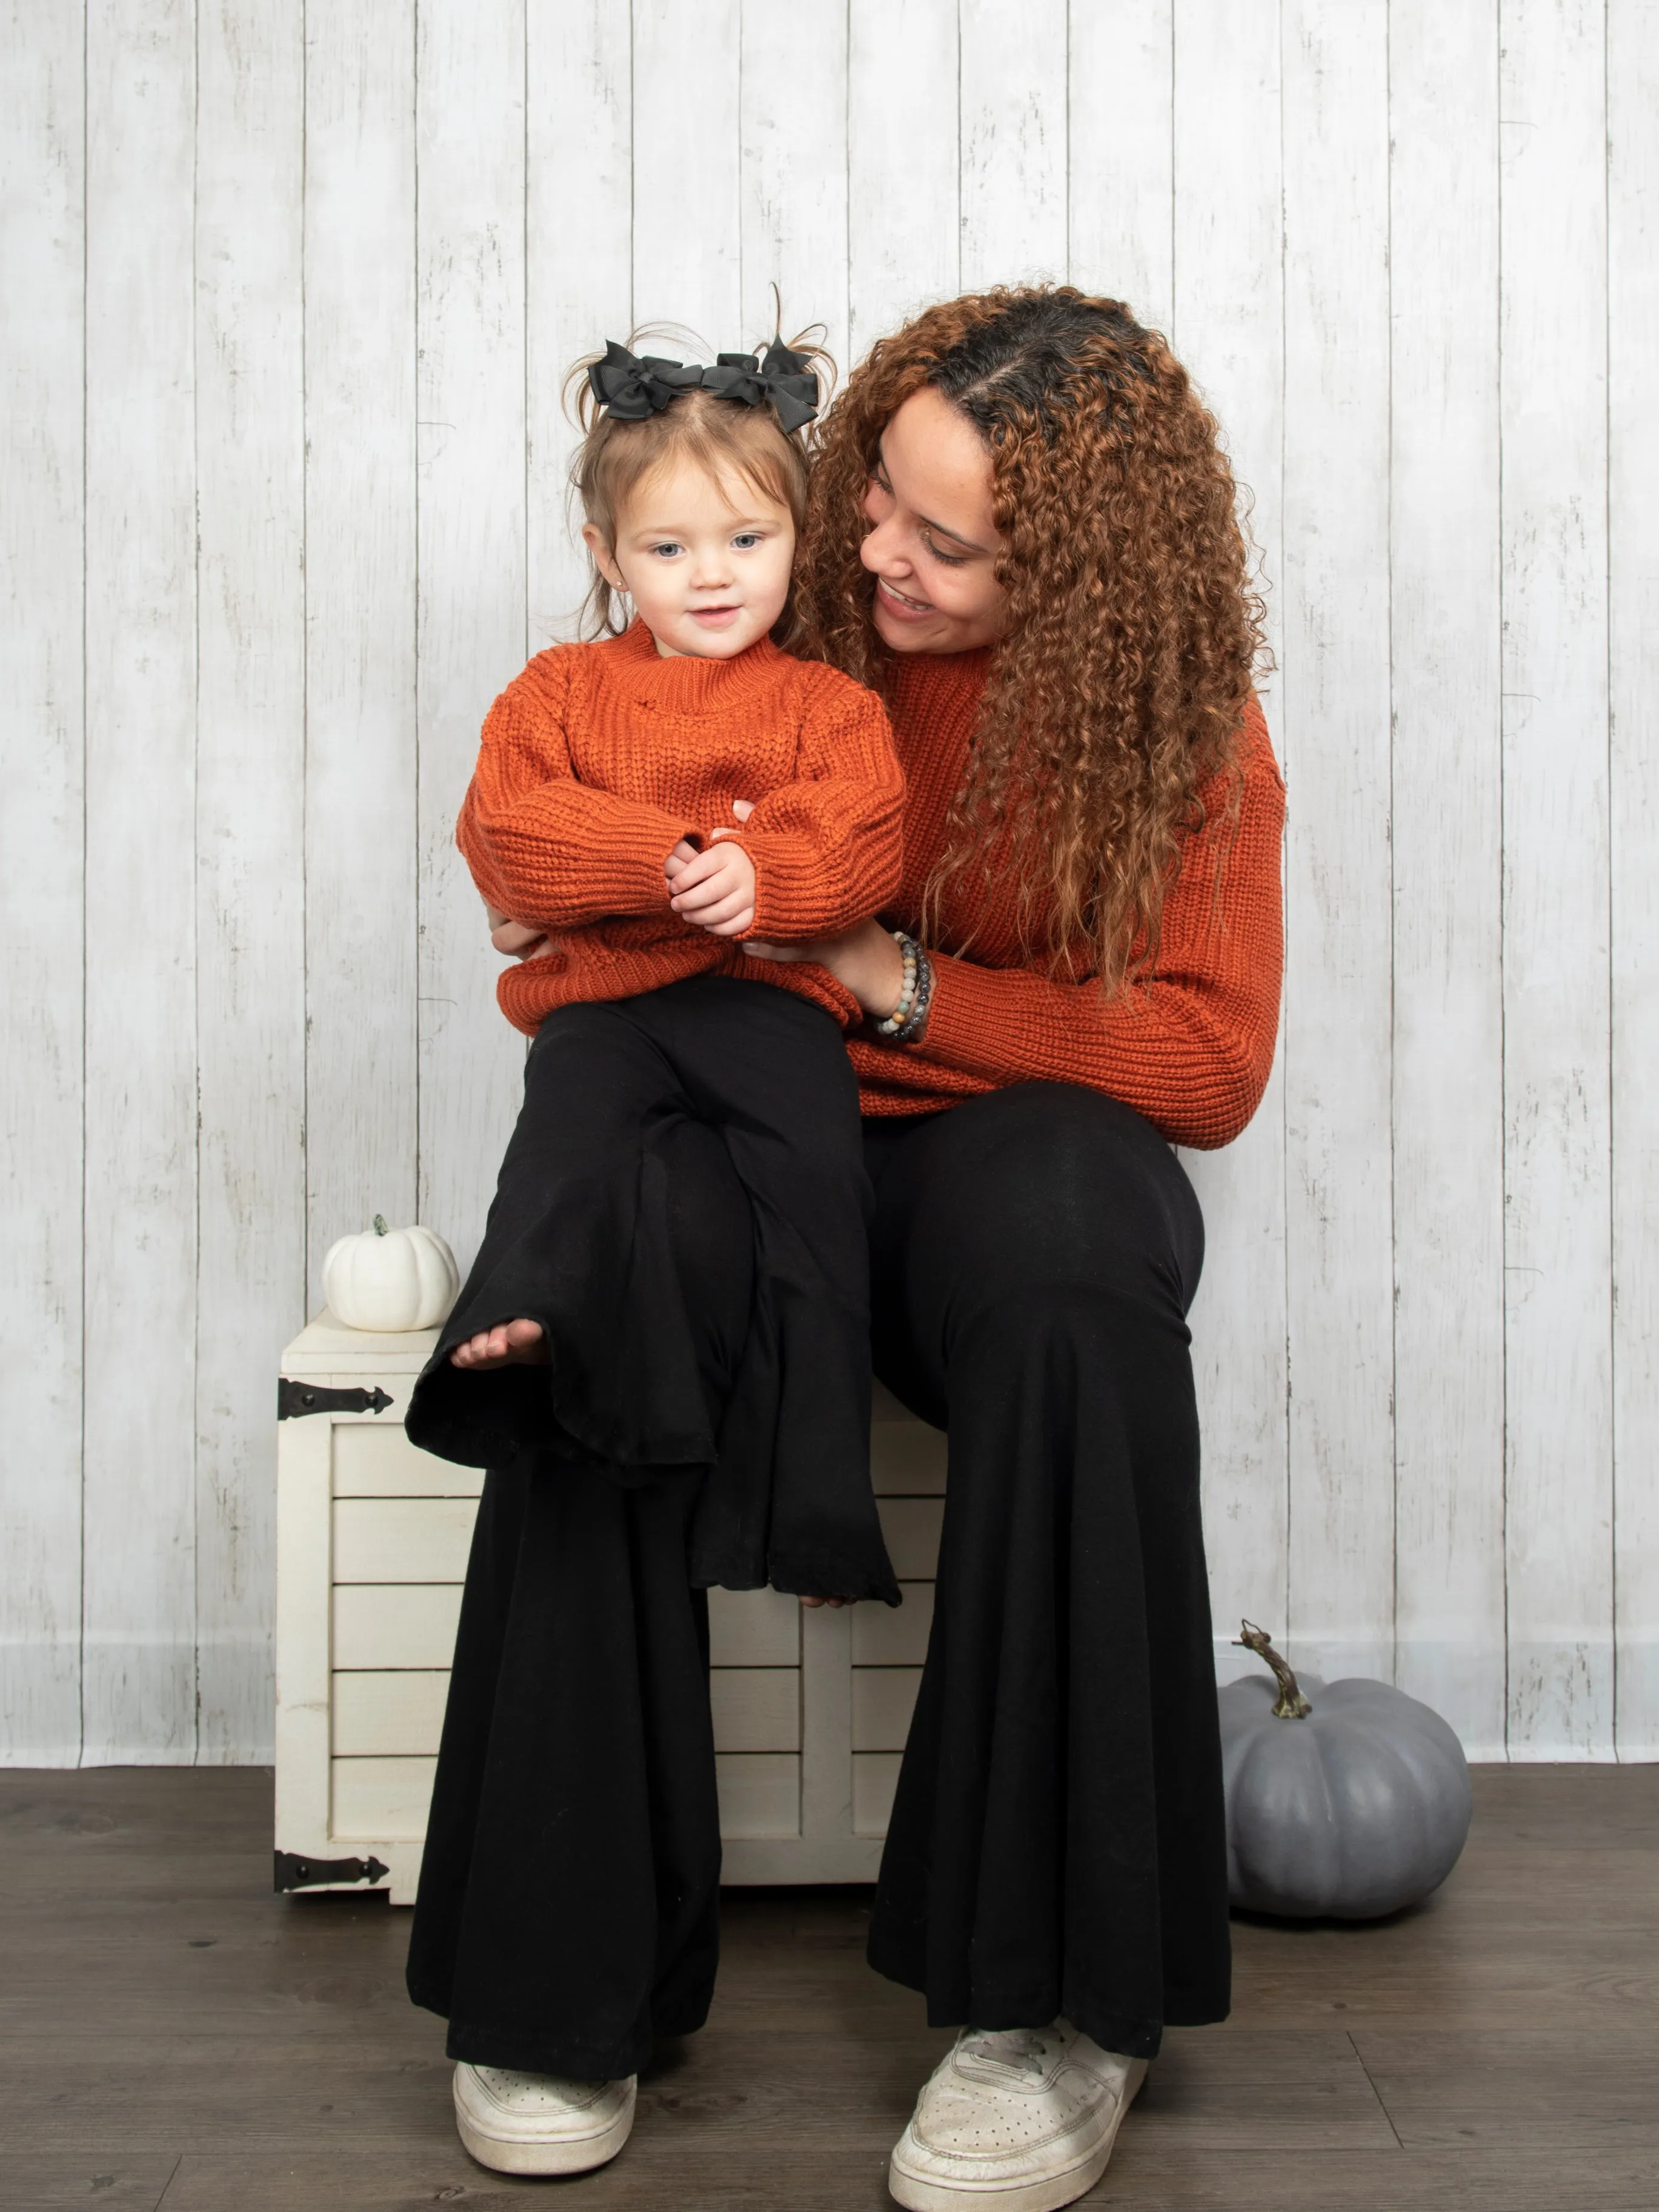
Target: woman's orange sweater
600,758
1191,1051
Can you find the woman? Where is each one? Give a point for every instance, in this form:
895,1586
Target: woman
1021,528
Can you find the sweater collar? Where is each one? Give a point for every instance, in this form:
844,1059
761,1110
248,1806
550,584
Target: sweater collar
684,683
957,676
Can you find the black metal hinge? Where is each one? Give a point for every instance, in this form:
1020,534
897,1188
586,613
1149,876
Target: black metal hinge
293,1872
295,1400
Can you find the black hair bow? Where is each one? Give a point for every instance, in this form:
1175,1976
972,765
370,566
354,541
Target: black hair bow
632,389
787,379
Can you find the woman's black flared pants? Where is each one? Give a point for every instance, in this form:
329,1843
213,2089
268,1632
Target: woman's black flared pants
1057,1840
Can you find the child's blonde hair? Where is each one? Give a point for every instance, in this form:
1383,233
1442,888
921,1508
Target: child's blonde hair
726,437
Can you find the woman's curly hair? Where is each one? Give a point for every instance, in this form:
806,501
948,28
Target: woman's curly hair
1133,632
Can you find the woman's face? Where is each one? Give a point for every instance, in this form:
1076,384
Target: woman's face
933,543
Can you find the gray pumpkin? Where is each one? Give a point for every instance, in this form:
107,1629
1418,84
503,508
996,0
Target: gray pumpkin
1349,1805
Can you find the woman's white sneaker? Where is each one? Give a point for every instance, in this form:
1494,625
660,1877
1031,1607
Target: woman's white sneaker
1020,2120
540,2123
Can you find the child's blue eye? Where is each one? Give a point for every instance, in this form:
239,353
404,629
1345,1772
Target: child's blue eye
668,548
747,538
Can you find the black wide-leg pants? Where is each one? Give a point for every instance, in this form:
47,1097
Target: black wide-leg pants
773,1408
1057,1841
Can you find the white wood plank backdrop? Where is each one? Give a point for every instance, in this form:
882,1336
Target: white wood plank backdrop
288,297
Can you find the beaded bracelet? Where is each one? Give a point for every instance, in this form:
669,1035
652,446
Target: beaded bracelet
907,999
905,1022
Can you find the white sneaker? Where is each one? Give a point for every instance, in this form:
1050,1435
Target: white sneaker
1023,2119
540,2123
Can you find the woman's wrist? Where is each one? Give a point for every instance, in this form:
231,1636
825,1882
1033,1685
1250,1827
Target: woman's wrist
869,963
872,969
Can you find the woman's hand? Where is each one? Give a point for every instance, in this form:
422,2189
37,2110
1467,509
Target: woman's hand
519,940
865,960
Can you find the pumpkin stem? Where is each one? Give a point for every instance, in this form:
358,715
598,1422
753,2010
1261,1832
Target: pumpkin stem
379,1225
1291,1705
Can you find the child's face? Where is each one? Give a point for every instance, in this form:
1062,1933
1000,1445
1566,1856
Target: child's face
706,560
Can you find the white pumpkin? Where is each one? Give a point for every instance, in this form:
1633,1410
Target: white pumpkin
391,1279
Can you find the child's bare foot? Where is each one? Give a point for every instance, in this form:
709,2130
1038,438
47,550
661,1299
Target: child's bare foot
509,1341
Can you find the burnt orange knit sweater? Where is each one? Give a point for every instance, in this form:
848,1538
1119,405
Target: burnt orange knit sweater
600,758
1192,1052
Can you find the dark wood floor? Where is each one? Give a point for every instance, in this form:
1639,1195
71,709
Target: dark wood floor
172,2035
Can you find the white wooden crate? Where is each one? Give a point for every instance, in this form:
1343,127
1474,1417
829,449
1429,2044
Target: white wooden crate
811,1707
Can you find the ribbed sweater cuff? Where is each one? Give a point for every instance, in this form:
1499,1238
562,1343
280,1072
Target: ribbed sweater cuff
625,874
795,898
962,1031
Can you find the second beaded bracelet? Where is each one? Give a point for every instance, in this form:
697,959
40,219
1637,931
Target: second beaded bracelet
911,1028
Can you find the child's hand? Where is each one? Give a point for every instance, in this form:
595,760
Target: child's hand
682,857
716,890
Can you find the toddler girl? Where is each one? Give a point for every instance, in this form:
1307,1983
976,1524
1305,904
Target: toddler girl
612,811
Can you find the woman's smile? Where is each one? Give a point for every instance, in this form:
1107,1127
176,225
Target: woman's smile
905,608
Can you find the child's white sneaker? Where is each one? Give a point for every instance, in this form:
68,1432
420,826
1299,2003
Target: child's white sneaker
1016,2120
540,2123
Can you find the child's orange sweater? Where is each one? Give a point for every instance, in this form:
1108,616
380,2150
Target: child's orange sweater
600,758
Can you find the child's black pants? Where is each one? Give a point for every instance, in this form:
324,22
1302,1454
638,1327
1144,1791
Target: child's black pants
772,1413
